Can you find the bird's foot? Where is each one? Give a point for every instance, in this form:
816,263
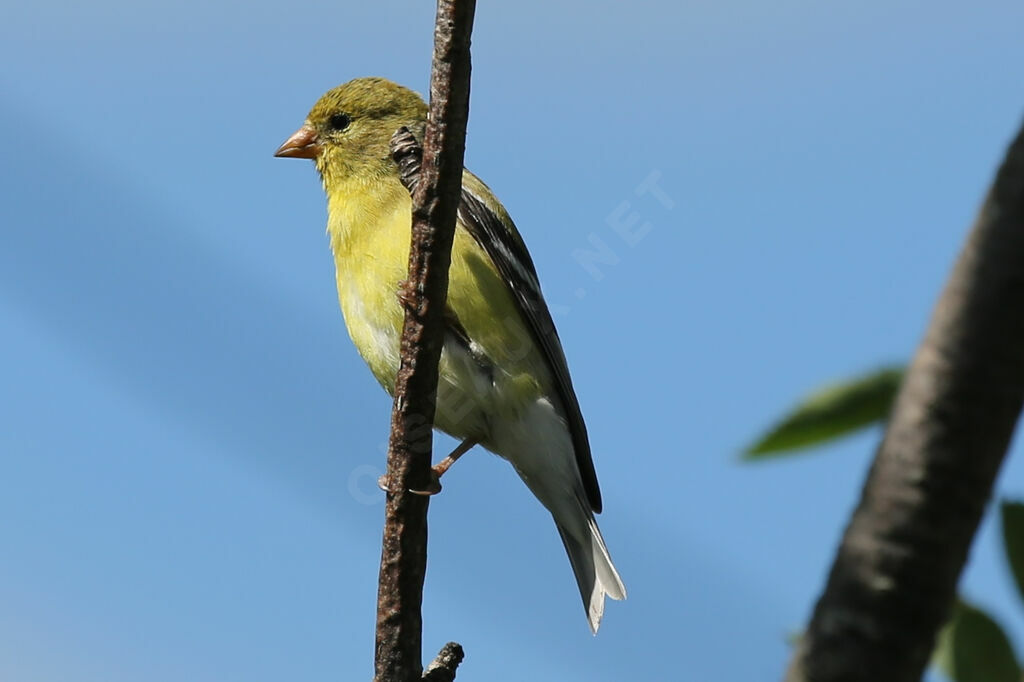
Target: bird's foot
405,294
433,486
436,472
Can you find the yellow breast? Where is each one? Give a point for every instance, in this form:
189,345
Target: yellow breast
370,230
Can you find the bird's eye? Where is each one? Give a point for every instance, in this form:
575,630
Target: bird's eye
339,122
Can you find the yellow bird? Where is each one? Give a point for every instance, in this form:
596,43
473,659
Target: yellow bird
504,382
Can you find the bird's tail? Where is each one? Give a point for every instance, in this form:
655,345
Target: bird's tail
540,448
595,573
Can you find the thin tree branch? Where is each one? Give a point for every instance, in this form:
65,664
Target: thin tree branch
398,650
894,577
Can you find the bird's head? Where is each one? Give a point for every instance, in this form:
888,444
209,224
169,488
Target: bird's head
348,131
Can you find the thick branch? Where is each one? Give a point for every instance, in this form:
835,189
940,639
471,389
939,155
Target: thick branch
895,574
398,652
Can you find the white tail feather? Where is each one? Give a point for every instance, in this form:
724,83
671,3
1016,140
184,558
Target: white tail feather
539,447
595,574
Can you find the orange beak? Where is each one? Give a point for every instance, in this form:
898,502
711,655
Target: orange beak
301,145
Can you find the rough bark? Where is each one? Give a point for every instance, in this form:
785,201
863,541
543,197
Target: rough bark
398,651
442,669
894,577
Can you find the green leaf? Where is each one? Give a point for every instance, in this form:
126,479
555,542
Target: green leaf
973,648
832,412
1012,514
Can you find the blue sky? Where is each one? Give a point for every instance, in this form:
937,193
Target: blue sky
189,441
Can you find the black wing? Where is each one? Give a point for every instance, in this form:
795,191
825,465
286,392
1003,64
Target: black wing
515,265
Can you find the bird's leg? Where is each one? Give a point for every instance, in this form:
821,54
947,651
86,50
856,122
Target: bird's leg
445,464
438,470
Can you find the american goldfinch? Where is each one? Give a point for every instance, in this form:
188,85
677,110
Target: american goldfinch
504,382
